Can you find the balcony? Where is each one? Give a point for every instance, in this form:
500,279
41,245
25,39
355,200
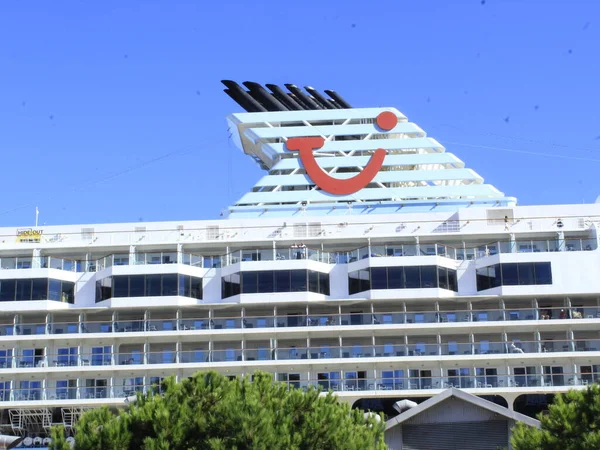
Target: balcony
378,318
349,383
289,352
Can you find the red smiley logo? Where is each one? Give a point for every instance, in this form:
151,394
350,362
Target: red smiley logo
305,146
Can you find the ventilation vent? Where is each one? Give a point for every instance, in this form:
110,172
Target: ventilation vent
314,229
87,233
495,217
212,232
581,223
450,226
300,230
140,230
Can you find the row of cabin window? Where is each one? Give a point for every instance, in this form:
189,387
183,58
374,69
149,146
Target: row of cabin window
23,289
514,274
266,281
155,285
407,277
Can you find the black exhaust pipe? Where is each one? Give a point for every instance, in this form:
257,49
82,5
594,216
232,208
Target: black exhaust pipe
339,100
284,98
319,97
303,97
242,98
265,98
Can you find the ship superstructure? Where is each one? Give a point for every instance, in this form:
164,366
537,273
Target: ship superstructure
425,278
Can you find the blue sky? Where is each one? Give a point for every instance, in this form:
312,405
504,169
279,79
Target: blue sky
113,111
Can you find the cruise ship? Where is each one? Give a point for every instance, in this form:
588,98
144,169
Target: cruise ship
367,260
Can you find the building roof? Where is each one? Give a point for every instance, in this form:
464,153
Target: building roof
464,396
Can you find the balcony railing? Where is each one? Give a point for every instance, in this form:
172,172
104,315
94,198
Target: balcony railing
140,357
43,262
293,321
299,252
336,383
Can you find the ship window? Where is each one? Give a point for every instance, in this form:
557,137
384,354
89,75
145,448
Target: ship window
543,273
268,281
408,277
265,281
298,281
526,275
395,277
120,286
428,277
282,281
514,274
379,278
169,284
140,286
152,285
510,274
136,286
412,277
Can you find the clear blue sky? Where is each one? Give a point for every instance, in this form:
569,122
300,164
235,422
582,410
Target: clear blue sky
113,111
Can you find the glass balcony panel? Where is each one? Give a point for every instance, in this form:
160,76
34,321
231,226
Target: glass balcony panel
589,244
194,356
292,353
129,326
97,327
160,357
8,263
573,245
227,355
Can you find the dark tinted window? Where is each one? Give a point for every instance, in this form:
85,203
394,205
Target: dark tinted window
514,274
266,281
136,285
324,283
364,280
282,281
452,281
298,280
67,293
249,283
24,289
379,278
483,280
543,273
412,277
510,274
54,290
353,283
313,281
120,286
526,274
495,276
169,284
275,281
7,290
443,277
39,289
395,277
428,276
196,287
153,285
184,285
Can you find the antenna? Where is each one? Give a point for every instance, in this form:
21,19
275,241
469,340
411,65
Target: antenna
37,214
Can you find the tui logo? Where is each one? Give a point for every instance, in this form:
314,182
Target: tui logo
305,146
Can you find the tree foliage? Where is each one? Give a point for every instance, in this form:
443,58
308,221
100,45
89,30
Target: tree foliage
209,411
572,423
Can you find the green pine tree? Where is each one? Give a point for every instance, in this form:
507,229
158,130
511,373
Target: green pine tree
572,423
209,411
